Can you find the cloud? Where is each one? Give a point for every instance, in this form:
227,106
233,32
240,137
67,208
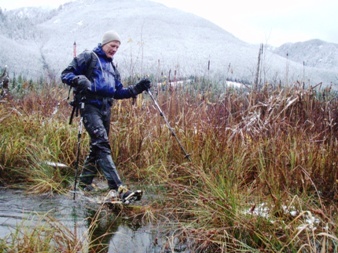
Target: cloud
14,4
262,21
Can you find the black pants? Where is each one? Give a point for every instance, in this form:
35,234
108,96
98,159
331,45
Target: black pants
96,120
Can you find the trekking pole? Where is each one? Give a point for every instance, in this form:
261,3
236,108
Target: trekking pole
77,154
168,125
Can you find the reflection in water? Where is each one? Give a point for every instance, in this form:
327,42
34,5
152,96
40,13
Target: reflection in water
102,226
108,231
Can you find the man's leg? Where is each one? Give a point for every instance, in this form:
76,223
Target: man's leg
106,164
88,173
97,123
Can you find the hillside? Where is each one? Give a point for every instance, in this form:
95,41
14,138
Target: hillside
155,39
312,53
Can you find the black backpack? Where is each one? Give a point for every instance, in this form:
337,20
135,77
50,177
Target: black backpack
90,59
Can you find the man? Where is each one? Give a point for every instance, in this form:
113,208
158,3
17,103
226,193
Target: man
96,83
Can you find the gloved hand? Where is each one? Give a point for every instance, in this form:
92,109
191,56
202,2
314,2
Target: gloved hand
81,83
141,86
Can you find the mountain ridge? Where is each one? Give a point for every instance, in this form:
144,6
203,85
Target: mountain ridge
155,39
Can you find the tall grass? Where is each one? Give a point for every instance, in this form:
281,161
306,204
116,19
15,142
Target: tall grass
263,162
33,131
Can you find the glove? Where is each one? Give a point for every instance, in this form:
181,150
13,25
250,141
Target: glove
141,86
81,83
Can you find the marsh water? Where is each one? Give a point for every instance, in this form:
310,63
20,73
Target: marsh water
117,231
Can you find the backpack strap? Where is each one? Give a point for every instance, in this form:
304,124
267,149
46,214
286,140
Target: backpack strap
90,61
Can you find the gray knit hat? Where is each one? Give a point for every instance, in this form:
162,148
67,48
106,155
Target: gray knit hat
110,36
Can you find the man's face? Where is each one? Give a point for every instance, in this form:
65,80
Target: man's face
111,48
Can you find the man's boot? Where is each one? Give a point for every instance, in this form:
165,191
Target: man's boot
128,196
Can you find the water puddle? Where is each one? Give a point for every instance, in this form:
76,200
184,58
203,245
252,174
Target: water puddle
113,231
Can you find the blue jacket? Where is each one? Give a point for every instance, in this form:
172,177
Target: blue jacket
103,75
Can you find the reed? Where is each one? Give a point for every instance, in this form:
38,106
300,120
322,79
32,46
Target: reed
258,157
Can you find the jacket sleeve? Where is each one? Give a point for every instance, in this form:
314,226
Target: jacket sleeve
120,91
76,67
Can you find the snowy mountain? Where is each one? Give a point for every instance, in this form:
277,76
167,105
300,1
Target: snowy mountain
38,43
312,53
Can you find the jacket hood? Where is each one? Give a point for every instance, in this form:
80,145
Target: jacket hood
99,51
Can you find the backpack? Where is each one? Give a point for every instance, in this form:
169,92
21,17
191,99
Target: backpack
91,59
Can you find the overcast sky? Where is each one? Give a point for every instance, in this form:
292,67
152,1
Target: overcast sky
259,21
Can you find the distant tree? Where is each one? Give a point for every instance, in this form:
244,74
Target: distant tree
14,82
